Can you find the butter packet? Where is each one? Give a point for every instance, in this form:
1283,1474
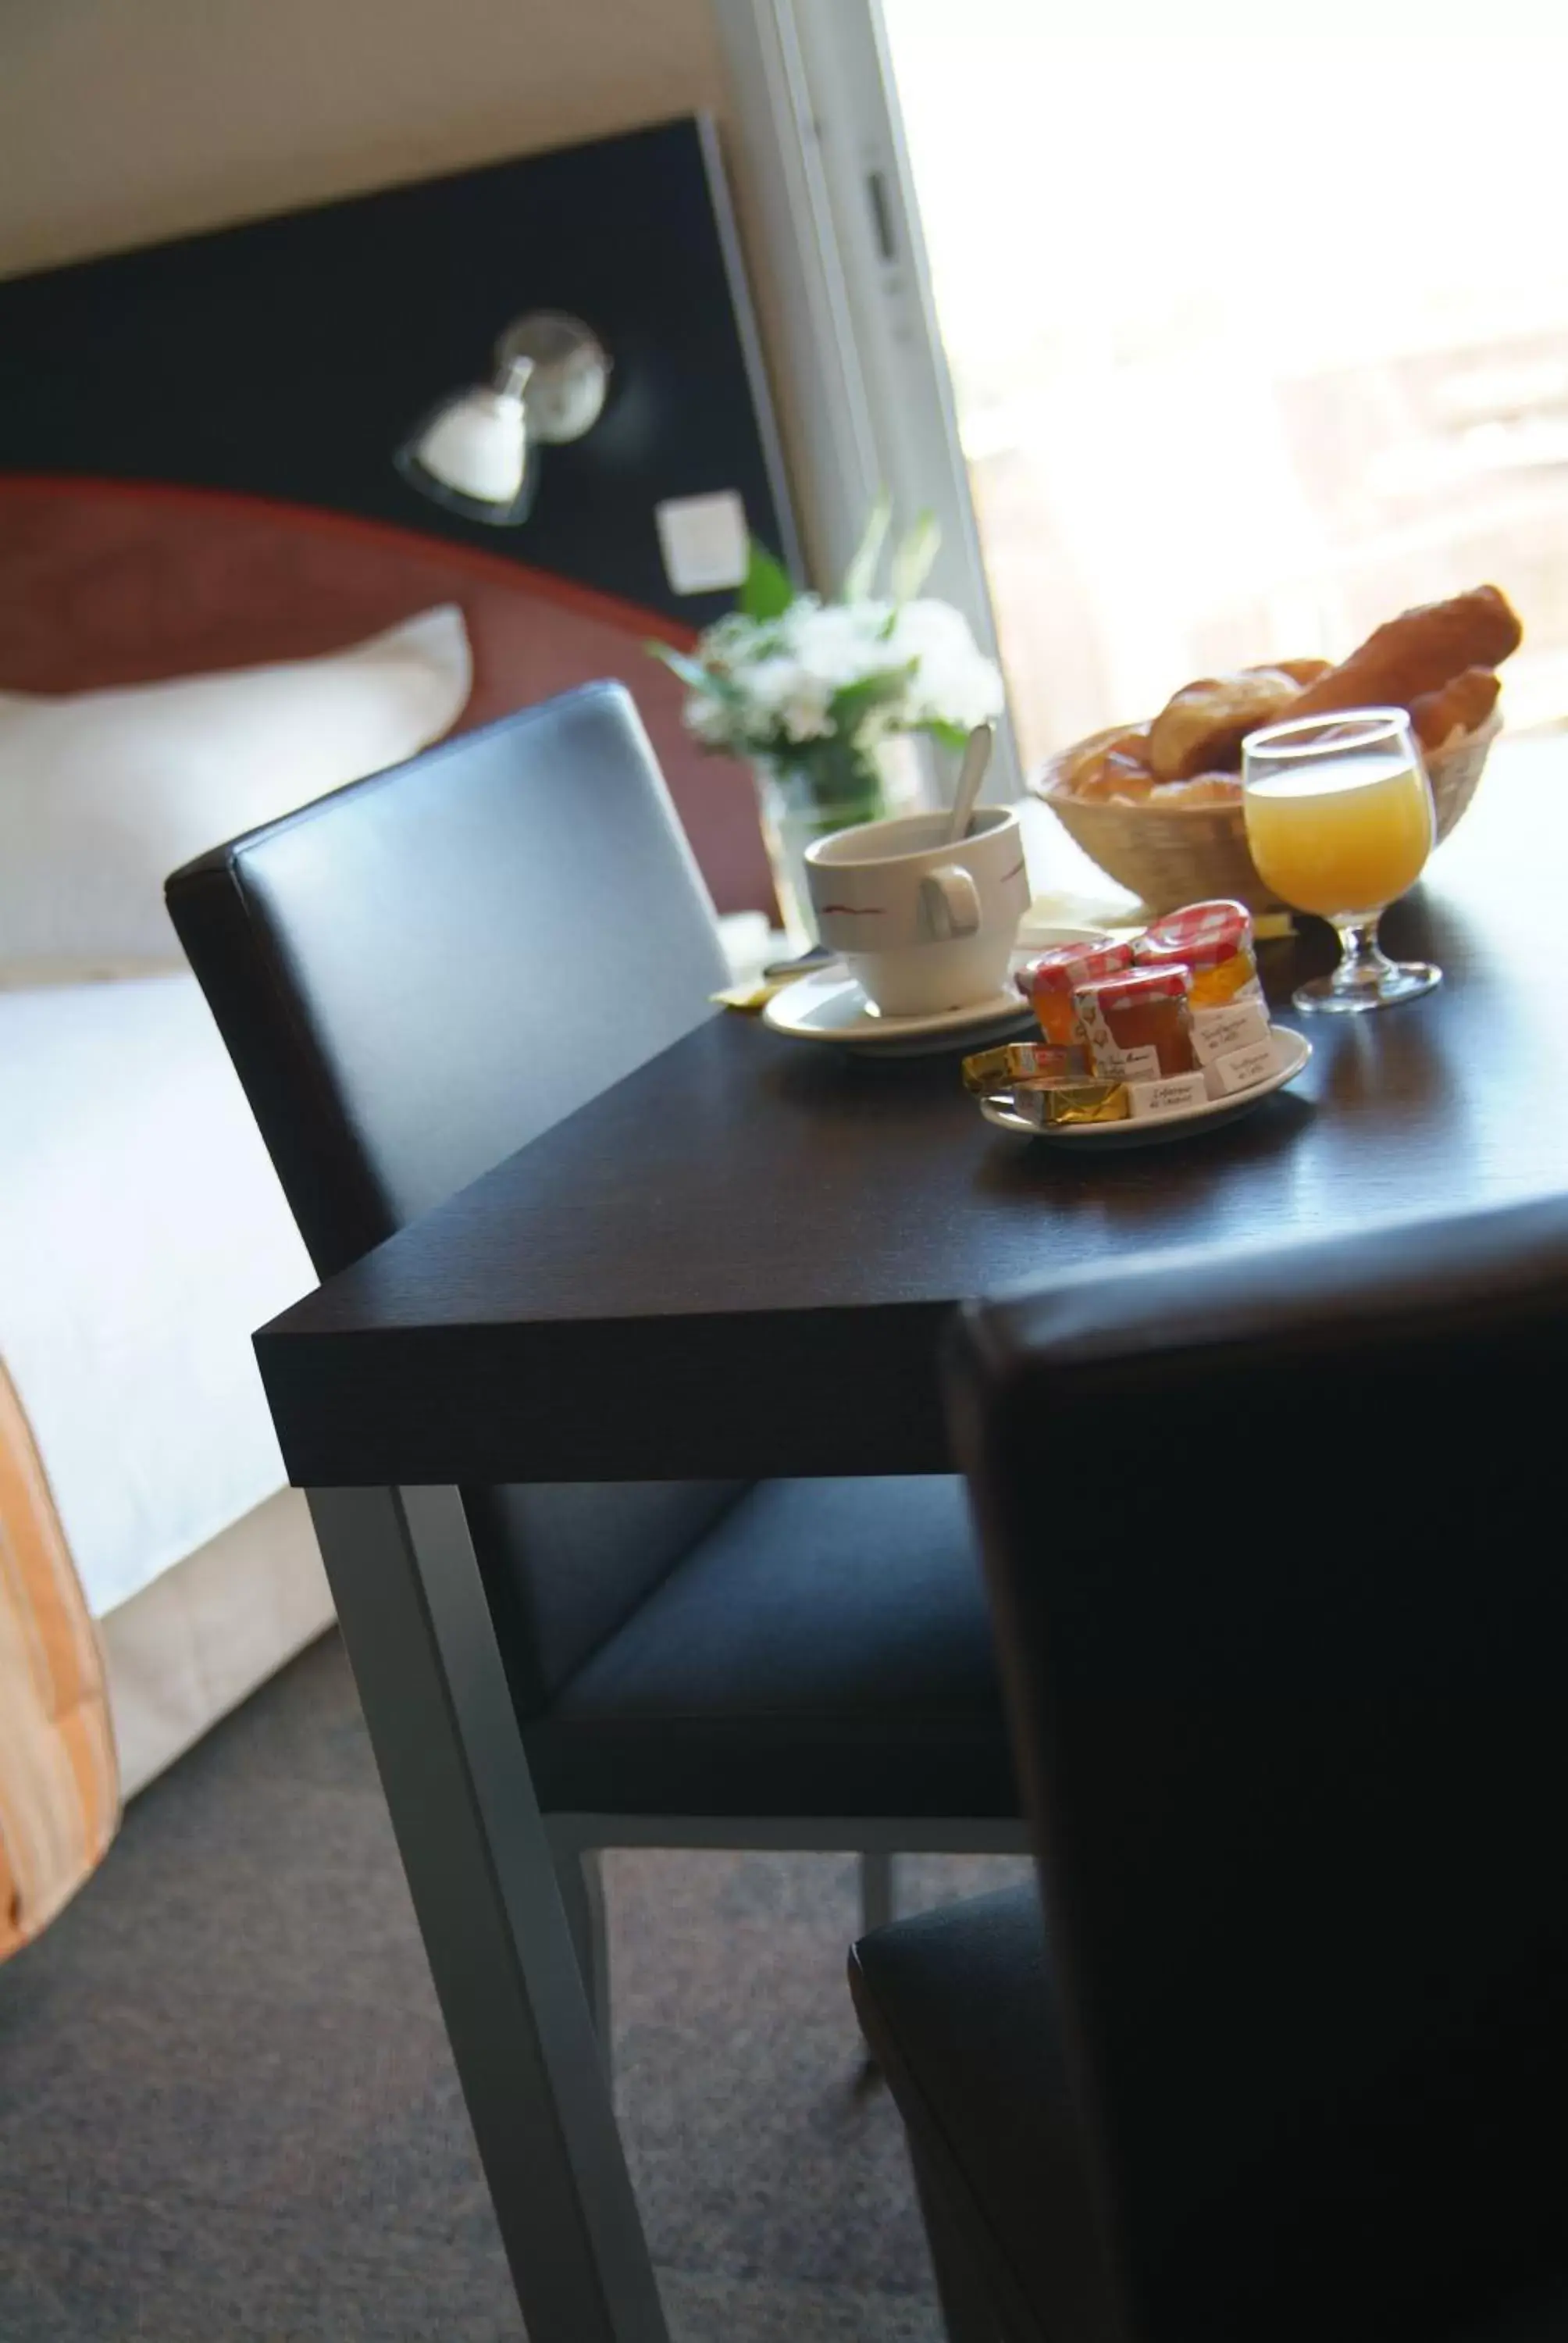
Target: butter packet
1061,1106
1037,1063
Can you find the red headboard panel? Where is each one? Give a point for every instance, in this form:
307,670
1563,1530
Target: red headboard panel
107,582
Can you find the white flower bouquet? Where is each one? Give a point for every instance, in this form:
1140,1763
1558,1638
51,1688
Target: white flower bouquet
811,691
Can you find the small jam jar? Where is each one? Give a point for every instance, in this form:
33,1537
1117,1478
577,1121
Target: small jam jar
1214,941
1051,979
1139,1025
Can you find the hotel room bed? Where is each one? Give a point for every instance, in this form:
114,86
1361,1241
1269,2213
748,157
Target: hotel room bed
247,388
142,1235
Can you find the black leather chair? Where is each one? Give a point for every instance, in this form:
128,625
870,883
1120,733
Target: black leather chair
1285,1654
415,977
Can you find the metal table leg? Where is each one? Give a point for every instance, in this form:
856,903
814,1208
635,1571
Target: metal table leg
580,1876
422,1645
877,1890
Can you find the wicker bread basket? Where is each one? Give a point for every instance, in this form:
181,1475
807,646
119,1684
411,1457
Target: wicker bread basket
1168,856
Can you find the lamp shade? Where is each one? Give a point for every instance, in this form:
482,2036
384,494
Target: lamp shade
472,453
478,445
475,453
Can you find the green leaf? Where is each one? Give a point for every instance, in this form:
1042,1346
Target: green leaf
691,671
912,559
951,736
768,589
854,702
861,575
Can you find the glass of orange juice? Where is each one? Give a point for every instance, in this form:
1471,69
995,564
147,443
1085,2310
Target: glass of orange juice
1340,821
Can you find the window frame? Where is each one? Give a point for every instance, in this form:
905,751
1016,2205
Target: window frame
834,228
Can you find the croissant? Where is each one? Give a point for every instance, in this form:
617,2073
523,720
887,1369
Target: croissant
1114,774
1200,729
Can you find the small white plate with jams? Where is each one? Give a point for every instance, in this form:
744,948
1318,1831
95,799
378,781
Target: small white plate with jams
1292,1053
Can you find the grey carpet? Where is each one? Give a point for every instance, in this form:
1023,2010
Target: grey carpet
228,2113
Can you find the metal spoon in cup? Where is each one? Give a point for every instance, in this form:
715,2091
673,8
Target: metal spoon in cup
972,773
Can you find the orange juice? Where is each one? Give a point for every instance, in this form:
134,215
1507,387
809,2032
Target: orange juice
1343,833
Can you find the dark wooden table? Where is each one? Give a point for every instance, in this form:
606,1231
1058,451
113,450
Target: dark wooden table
740,1262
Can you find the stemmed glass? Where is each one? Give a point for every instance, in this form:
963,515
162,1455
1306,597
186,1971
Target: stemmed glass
1340,821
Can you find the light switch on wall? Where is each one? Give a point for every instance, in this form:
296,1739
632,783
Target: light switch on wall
703,541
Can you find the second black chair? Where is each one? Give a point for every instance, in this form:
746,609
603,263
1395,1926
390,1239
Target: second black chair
1287,2053
417,976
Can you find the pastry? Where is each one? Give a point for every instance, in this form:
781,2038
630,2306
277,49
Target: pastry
1079,768
1462,706
1131,742
1201,729
1437,661
1418,653
1075,766
1115,774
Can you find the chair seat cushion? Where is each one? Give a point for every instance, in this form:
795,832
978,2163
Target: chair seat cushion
958,2006
825,1649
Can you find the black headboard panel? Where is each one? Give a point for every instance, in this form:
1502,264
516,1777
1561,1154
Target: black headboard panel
290,356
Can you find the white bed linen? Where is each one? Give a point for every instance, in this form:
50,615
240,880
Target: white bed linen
190,1647
143,1236
103,793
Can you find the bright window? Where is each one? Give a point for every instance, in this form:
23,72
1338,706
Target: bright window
1255,338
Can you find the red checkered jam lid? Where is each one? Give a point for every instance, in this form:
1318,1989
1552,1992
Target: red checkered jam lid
1137,988
1066,966
1201,935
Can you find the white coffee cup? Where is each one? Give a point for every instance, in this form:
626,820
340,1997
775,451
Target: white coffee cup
923,926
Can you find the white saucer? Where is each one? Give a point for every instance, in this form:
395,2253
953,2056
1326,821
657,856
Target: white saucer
830,1006
1291,1053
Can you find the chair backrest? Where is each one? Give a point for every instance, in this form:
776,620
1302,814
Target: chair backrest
1282,1608
416,976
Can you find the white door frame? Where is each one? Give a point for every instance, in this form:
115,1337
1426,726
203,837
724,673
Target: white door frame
834,227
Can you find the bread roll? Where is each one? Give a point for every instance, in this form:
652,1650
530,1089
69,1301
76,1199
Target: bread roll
1462,706
1418,653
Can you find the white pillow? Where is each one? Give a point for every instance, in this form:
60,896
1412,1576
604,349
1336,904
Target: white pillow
104,793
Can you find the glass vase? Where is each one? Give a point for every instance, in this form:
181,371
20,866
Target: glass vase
830,786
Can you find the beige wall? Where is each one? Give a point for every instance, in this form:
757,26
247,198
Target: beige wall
122,121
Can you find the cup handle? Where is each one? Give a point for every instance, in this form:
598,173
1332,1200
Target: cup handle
950,902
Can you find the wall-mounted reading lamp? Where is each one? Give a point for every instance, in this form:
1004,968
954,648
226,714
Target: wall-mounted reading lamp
478,452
